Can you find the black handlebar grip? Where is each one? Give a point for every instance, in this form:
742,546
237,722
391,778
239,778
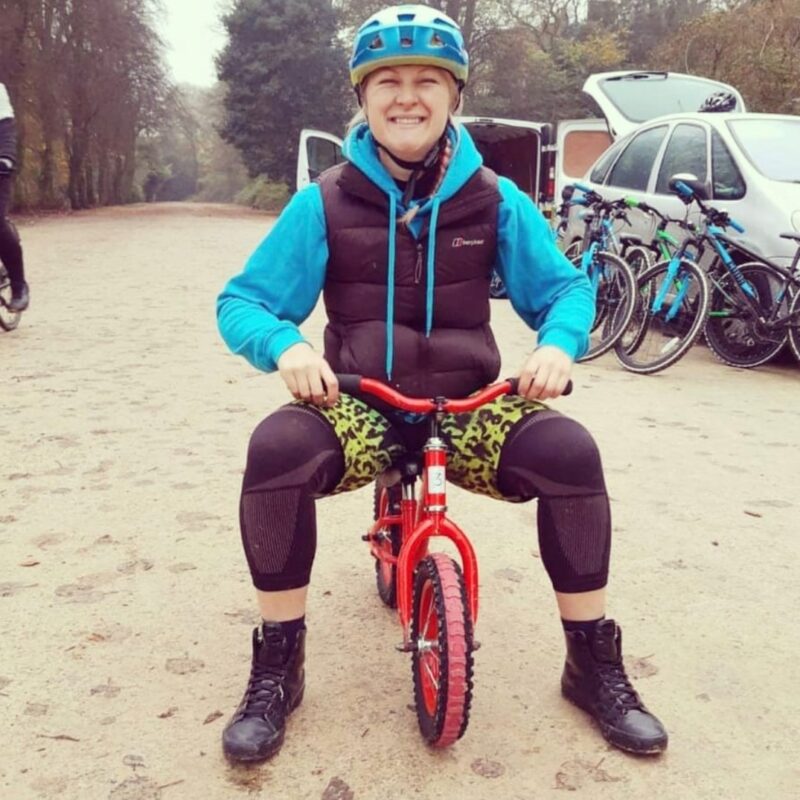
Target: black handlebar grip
349,384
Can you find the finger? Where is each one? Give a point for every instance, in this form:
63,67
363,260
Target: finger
554,386
331,384
525,379
539,384
315,385
303,389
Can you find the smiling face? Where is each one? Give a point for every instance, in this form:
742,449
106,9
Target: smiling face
407,108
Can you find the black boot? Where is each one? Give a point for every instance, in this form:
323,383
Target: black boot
594,679
275,689
20,297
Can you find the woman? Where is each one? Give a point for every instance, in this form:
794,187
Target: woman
401,240
10,249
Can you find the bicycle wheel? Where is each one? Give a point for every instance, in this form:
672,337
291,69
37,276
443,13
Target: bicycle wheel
794,325
733,331
387,501
8,319
614,303
658,337
638,258
441,629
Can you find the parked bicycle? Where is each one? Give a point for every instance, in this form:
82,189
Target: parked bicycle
753,309
435,596
610,276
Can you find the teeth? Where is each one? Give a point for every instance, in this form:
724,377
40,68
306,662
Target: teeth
407,120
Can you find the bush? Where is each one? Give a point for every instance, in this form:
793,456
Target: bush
263,194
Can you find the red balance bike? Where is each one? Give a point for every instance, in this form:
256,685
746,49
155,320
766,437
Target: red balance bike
435,596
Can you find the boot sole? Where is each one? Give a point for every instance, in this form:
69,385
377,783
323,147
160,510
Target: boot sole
620,739
274,747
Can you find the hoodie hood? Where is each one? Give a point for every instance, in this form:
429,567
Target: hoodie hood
361,150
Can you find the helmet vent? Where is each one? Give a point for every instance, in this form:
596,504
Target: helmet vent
406,17
436,41
376,43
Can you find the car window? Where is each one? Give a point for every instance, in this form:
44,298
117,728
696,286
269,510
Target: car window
770,144
633,168
728,182
686,152
598,174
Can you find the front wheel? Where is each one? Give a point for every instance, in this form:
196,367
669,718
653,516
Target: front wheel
734,331
441,631
8,319
794,325
615,291
670,311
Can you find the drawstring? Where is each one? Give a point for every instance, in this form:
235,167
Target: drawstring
390,287
431,266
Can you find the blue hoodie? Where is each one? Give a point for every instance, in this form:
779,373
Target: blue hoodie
259,310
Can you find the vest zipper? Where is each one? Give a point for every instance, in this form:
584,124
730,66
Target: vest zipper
418,267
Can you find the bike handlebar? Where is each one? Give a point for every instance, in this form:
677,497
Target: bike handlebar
354,384
715,216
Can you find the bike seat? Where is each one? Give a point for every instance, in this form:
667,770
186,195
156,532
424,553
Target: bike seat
630,238
795,236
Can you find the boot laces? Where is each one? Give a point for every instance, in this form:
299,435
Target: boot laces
616,690
266,688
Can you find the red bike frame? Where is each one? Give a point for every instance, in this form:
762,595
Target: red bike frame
421,519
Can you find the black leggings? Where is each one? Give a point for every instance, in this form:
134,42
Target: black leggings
10,248
513,450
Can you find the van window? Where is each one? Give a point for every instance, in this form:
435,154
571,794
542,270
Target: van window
604,164
633,168
686,152
728,182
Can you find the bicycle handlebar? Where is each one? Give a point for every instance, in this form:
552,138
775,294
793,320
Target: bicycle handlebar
353,384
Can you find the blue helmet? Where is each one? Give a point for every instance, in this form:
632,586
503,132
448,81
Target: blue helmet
409,34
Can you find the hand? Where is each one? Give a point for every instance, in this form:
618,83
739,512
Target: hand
545,373
308,376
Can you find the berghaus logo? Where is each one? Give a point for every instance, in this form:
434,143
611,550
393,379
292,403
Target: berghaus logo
459,241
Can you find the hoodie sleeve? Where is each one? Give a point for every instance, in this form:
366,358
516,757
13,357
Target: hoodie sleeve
259,310
551,296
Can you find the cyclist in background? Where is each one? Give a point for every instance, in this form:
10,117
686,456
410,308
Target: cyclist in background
400,241
10,248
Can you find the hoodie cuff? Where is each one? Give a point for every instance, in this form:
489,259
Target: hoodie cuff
276,345
563,341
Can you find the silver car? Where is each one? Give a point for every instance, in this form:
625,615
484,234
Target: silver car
749,163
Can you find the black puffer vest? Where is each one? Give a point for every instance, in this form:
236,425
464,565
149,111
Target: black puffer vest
460,355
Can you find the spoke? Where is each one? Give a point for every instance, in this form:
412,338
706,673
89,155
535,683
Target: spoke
434,679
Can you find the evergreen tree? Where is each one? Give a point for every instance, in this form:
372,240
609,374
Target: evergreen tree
285,71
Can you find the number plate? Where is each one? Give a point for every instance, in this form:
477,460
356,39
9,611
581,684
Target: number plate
436,480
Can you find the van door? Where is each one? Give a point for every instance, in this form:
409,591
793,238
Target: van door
629,98
317,152
579,143
515,149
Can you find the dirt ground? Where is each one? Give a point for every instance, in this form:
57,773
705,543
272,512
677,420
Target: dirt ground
126,606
